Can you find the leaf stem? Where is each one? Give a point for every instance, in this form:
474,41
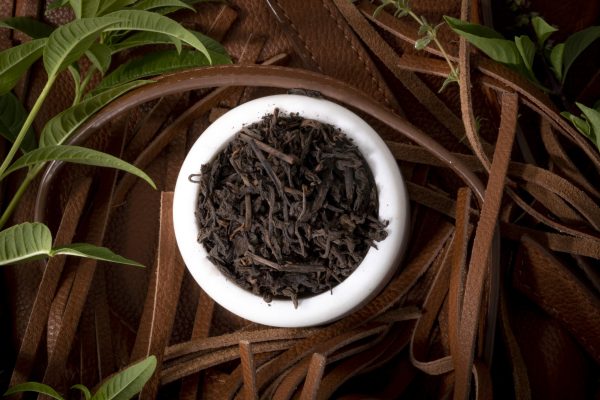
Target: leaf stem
453,70
84,84
17,196
30,118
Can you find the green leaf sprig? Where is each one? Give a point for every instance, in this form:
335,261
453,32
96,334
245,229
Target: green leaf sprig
100,30
121,386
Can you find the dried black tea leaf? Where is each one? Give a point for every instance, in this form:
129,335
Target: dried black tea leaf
289,208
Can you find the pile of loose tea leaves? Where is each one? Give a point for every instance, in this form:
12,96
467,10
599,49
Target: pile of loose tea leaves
289,208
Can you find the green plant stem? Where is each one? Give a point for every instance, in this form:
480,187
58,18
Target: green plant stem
17,196
84,84
28,122
437,43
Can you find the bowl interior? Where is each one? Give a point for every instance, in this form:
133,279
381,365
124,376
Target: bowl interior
369,277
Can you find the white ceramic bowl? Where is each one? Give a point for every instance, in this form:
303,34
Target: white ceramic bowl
370,276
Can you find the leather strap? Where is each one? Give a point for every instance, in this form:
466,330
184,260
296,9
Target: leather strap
50,279
313,377
307,26
484,236
248,370
551,285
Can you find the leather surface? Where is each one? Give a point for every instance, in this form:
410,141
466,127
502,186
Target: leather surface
551,328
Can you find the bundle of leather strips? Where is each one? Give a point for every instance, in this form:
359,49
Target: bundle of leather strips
497,295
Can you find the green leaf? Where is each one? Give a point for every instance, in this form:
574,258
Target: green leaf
63,125
526,50
108,6
77,7
57,4
90,8
78,155
556,59
576,44
23,242
140,39
581,124
421,43
152,64
127,383
138,20
68,42
29,26
15,61
94,252
100,55
217,52
12,117
542,29
593,118
154,4
84,390
488,41
452,77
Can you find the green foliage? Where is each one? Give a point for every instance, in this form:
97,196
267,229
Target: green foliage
69,42
542,29
60,128
121,386
101,28
127,383
12,117
24,242
576,44
588,123
152,64
94,252
75,154
29,26
32,240
16,60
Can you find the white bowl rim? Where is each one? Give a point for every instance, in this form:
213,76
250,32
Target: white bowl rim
369,277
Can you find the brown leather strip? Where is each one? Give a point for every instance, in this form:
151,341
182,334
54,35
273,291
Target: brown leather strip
285,386
575,197
546,220
248,370
482,246
555,204
483,381
531,96
410,80
165,285
459,267
414,269
84,275
562,160
150,124
257,76
57,309
201,330
222,22
105,354
50,279
591,273
176,371
151,151
466,100
306,26
520,378
313,377
232,339
554,241
421,337
551,285
394,342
